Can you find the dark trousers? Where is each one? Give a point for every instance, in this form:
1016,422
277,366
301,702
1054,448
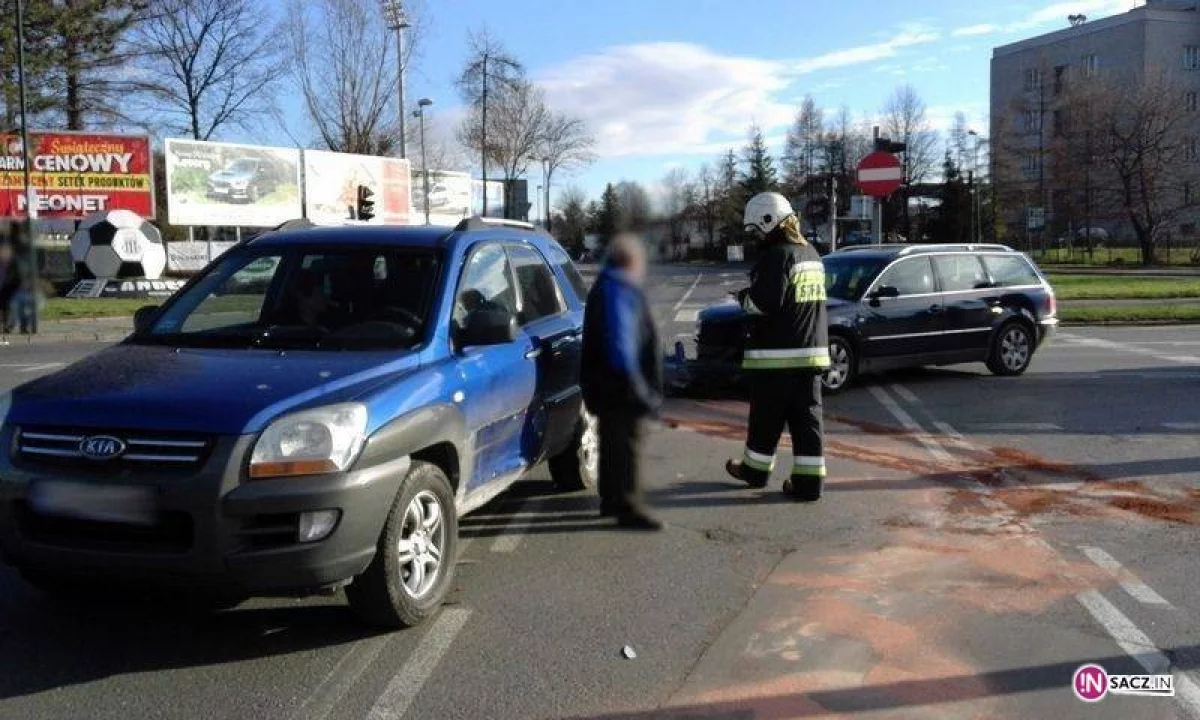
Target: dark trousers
620,444
780,398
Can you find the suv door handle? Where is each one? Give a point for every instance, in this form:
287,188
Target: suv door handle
532,353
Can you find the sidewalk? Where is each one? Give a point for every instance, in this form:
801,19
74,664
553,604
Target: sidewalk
78,330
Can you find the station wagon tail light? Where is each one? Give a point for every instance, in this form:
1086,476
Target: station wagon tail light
1051,304
310,442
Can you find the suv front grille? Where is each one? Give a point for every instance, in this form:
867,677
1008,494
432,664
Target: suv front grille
62,447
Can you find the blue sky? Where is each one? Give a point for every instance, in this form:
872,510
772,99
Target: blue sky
665,83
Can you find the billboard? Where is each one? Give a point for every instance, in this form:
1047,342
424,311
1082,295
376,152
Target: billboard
221,184
449,197
331,181
495,198
76,174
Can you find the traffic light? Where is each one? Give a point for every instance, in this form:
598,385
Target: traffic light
364,206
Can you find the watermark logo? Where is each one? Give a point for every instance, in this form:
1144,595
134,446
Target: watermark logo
1092,683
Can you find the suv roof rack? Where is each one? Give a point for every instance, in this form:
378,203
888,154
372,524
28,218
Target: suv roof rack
483,223
967,247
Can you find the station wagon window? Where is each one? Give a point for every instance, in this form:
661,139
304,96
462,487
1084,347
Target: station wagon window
540,296
1011,270
959,272
563,263
486,284
911,276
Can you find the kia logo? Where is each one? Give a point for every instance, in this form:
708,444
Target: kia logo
101,447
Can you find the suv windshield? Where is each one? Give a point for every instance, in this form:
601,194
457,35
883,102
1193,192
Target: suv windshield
241,166
305,298
848,276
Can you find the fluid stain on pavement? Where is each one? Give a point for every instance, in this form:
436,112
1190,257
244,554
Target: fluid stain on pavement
886,627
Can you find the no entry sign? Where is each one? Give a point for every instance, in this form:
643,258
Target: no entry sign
880,174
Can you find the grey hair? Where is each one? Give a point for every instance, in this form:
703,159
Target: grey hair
623,249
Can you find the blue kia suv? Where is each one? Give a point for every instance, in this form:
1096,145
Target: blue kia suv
314,411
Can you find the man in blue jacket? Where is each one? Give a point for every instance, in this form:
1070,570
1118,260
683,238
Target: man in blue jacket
621,377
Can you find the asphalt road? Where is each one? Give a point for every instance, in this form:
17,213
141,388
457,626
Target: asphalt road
981,538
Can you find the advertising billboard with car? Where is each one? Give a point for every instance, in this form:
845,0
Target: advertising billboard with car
331,181
77,174
449,197
221,184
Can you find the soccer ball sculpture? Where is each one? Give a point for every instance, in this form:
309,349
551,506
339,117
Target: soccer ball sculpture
119,244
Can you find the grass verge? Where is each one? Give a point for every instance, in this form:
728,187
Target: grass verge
1152,313
1107,287
78,309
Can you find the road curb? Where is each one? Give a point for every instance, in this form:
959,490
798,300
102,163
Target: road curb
1131,323
61,338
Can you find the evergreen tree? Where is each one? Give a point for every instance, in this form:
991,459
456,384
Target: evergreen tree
42,94
760,175
730,200
606,216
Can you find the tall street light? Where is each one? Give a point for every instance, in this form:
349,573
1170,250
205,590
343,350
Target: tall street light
397,19
420,113
976,220
546,183
26,161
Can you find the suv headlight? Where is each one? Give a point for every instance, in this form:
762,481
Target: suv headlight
310,442
5,404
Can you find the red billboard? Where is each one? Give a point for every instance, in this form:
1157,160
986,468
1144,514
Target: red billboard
76,174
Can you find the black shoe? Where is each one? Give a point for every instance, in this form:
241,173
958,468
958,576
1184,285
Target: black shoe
810,493
608,510
638,521
736,470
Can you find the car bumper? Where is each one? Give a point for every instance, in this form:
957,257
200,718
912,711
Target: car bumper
215,528
682,371
229,193
1047,327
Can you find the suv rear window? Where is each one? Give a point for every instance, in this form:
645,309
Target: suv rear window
560,260
1011,270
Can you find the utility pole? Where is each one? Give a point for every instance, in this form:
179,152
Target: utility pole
878,204
26,161
397,20
833,213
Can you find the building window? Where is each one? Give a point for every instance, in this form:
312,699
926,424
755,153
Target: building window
1033,79
1089,65
1191,101
1061,123
1032,121
1187,193
1032,165
1060,79
1191,57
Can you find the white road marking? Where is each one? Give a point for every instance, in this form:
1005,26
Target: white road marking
906,394
513,532
1129,582
687,316
342,678
688,294
1135,644
1016,427
412,676
1184,426
1135,349
40,368
956,438
926,440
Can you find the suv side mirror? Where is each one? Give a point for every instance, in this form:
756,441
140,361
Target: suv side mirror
488,327
143,318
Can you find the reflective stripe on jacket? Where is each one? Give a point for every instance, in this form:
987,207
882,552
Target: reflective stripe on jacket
787,291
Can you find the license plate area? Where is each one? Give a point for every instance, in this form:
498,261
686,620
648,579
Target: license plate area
128,504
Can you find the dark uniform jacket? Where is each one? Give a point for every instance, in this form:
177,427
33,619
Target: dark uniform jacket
622,363
787,293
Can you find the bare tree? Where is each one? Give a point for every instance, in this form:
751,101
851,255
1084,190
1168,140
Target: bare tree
489,68
678,195
905,120
565,144
706,202
207,64
343,65
512,133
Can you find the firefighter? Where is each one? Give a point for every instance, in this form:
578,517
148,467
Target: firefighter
787,352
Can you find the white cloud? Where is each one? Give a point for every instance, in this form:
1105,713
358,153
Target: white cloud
866,53
972,30
1058,12
667,98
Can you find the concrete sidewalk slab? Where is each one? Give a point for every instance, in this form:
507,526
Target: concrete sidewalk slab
111,329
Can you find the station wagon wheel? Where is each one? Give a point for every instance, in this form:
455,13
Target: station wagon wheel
578,466
841,365
1012,349
413,565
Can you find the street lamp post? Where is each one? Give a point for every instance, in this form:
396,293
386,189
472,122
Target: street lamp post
546,183
976,215
397,19
420,114
26,161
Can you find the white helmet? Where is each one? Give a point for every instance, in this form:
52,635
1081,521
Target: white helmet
766,210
